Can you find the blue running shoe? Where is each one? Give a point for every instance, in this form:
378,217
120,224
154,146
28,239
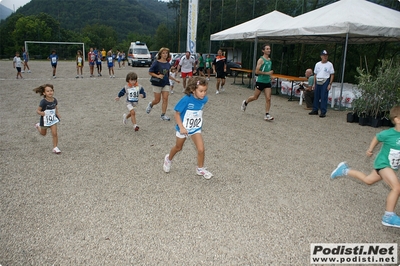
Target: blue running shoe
391,220
340,170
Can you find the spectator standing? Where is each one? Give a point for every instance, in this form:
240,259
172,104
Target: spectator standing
99,66
53,57
110,64
323,78
25,57
103,54
91,59
79,64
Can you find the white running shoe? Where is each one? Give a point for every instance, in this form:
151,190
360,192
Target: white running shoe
56,150
203,172
165,118
124,119
243,107
268,118
167,164
217,92
222,88
148,108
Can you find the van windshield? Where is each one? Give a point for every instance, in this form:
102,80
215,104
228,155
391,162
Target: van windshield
140,51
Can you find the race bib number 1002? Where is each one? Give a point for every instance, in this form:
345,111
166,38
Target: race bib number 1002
193,120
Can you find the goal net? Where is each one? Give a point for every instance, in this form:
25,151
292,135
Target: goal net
64,50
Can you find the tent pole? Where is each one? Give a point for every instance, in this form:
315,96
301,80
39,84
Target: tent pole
253,74
343,68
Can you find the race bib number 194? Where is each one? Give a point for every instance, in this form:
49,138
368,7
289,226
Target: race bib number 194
50,118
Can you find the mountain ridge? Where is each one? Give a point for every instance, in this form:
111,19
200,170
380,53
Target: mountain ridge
4,12
125,16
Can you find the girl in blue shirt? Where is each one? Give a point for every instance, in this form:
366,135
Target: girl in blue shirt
53,60
189,119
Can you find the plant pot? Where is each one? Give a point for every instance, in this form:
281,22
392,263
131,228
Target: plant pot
352,118
386,122
363,121
376,122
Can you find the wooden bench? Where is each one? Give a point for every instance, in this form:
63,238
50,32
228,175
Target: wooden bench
288,78
242,71
249,72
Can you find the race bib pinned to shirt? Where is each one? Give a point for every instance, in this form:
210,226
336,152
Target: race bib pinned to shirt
133,94
394,159
50,118
193,120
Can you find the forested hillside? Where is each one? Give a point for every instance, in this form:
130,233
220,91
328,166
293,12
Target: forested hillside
124,16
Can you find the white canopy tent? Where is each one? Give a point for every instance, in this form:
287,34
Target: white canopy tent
345,21
359,21
248,30
348,21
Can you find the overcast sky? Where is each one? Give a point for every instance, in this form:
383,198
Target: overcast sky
13,4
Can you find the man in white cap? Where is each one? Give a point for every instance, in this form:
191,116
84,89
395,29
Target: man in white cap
323,78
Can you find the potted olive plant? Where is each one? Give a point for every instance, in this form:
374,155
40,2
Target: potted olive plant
379,93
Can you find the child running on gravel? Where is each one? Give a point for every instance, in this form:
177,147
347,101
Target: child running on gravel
386,163
132,90
189,119
48,111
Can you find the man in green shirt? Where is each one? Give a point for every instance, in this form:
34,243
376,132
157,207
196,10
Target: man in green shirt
263,81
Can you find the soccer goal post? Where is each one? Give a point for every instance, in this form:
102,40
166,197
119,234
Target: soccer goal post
57,43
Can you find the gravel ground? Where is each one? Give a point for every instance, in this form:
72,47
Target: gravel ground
106,200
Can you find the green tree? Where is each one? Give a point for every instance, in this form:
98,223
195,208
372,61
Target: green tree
162,38
100,36
31,28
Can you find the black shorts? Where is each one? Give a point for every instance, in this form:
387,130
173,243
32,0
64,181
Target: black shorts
261,86
18,69
220,75
200,69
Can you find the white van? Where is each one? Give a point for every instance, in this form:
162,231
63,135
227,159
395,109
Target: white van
138,54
